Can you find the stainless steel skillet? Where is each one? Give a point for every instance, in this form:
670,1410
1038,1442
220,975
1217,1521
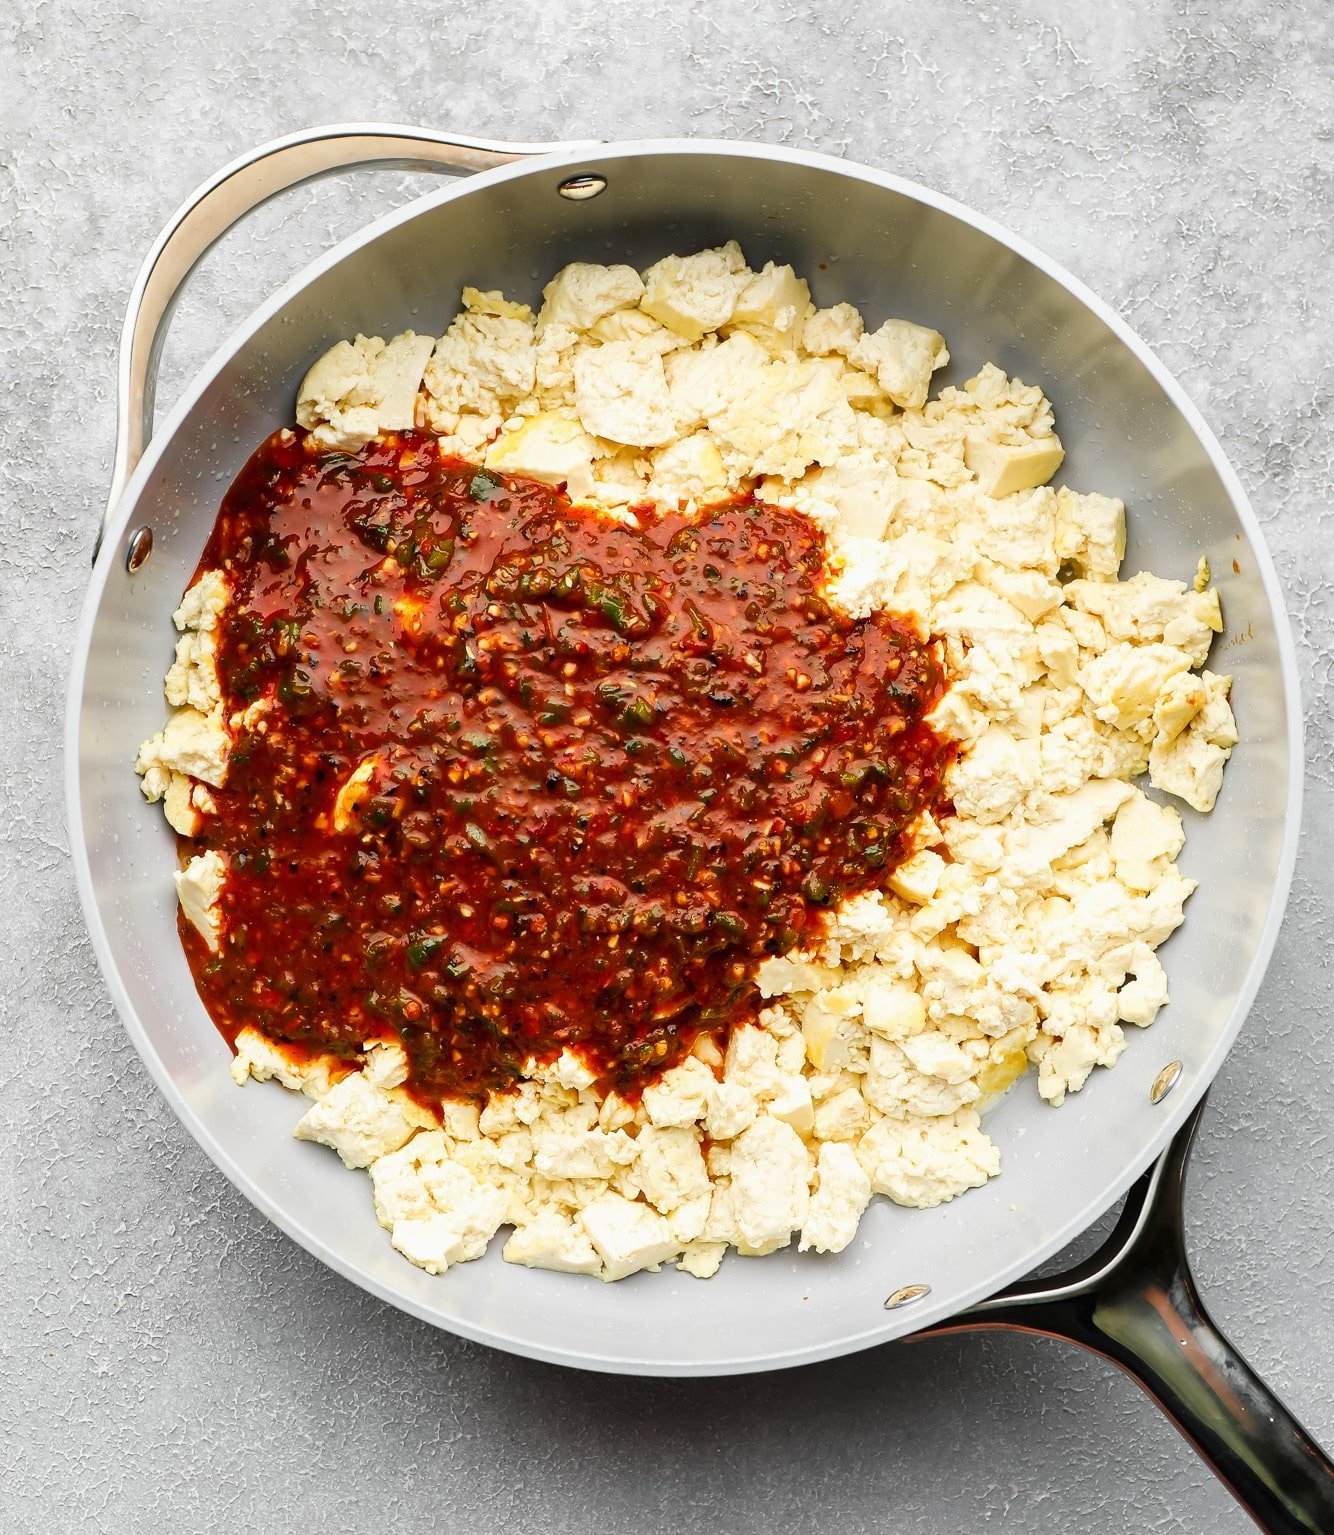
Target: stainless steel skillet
891,248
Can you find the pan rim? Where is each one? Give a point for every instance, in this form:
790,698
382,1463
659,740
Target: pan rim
930,1310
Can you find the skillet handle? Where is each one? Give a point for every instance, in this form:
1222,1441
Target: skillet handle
225,198
1135,1302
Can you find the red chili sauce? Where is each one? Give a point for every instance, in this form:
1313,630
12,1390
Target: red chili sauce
608,769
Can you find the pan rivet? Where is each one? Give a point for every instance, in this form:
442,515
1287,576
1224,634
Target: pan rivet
138,549
580,188
906,1296
1165,1081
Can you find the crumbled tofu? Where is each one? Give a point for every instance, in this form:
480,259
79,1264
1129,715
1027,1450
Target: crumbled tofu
203,605
196,745
436,1211
184,802
552,1240
620,393
926,1162
1124,683
358,1120
353,792
843,1116
680,1096
792,1102
260,1058
902,356
798,416
386,1063
582,294
361,388
1190,763
552,447
894,1011
918,878
669,1167
1003,468
696,294
689,469
770,1185
484,364
837,329
773,307
731,1109
199,890
628,1235
702,1259
1146,838
842,1193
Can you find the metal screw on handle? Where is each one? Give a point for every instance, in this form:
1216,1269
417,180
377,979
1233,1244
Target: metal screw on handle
223,200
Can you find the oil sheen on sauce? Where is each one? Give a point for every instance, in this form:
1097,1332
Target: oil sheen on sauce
519,776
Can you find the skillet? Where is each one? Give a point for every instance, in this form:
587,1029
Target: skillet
891,248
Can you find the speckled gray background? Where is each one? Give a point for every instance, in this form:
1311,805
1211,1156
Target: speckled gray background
168,1361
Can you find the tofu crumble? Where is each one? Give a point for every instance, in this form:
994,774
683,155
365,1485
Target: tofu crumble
1019,932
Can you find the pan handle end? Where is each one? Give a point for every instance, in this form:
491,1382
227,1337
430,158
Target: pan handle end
222,201
1135,1302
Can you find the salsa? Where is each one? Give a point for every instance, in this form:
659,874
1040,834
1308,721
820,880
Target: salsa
514,776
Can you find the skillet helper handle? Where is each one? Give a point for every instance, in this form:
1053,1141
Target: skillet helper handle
1135,1302
222,201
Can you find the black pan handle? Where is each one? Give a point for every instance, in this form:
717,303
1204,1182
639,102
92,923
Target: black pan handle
1135,1303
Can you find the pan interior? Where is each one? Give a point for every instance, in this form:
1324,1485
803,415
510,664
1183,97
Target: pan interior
857,237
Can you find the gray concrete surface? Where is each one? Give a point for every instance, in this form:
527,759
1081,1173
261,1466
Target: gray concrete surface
168,1361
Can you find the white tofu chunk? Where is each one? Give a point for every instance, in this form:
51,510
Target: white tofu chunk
386,1063
842,1193
261,1059
731,1108
902,357
1141,1000
1145,839
792,1102
358,1120
838,329
361,388
1190,763
481,368
552,1240
552,447
1124,683
583,293
191,743
773,307
895,1086
1091,532
669,1168
770,1173
918,878
894,1011
689,469
1065,1064
621,394
702,1260
843,1116
203,605
628,1235
693,295
1003,468
199,890
680,1096
926,1162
